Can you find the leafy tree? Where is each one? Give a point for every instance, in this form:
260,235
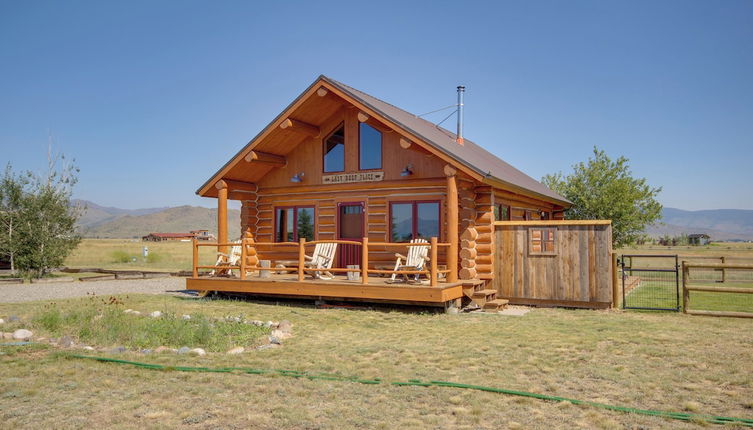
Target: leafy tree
11,195
604,188
38,221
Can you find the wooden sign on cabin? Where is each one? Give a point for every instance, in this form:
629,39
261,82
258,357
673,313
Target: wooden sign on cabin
344,178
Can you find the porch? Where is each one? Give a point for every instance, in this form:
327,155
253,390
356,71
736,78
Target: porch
370,281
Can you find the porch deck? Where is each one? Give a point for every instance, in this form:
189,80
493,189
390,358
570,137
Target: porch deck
288,285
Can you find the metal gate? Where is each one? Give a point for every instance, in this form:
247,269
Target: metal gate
650,282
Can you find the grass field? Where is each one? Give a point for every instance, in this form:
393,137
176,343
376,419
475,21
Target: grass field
175,256
657,361
659,290
169,256
734,250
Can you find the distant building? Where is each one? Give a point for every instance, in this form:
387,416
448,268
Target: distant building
699,239
202,234
193,234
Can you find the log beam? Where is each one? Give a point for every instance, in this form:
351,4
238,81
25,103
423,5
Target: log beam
468,273
362,117
247,187
301,127
267,158
405,143
222,215
321,92
452,223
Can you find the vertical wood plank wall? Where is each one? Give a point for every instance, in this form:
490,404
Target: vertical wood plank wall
579,274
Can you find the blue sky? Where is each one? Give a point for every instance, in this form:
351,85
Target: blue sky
152,97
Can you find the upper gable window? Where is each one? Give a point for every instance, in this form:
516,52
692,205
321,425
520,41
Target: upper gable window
370,147
334,151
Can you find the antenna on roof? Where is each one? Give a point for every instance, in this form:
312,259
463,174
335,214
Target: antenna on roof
461,90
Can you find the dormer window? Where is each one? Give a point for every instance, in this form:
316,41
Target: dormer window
369,148
334,151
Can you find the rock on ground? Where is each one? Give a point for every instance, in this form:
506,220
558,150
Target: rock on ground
65,342
22,334
237,350
279,334
198,351
285,326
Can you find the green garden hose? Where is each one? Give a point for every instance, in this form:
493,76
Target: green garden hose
414,382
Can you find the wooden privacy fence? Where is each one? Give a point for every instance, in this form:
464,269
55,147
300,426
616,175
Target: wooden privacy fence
557,263
249,246
687,287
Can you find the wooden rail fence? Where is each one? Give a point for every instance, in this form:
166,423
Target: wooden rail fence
687,288
433,272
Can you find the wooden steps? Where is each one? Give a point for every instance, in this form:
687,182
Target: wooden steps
483,297
495,305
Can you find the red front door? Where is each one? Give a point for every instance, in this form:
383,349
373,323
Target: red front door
350,227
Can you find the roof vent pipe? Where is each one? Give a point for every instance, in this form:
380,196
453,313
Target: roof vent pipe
461,90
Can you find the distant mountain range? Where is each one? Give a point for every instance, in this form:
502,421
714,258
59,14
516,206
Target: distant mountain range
108,222
720,224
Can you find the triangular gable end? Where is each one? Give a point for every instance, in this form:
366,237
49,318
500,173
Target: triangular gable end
358,100
208,189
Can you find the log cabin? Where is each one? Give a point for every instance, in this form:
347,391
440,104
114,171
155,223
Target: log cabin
339,165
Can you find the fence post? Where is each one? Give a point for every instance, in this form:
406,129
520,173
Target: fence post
195,245
301,257
365,261
433,263
685,292
615,283
243,260
724,271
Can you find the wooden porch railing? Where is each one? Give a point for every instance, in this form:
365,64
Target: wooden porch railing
433,272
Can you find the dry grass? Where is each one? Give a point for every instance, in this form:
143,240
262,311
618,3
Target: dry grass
664,361
170,256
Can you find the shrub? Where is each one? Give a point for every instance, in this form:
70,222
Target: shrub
153,257
120,256
103,322
50,318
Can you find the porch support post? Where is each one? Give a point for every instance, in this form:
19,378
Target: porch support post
222,215
365,261
452,223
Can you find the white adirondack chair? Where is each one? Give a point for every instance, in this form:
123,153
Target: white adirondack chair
232,258
322,258
417,257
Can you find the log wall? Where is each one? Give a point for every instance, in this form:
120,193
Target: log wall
578,273
258,216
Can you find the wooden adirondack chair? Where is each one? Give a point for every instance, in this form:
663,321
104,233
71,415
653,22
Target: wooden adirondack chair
322,258
417,257
233,258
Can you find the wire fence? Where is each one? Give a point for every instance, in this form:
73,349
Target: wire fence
653,282
650,282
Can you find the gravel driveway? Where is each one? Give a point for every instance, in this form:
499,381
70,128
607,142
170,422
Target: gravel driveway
14,293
